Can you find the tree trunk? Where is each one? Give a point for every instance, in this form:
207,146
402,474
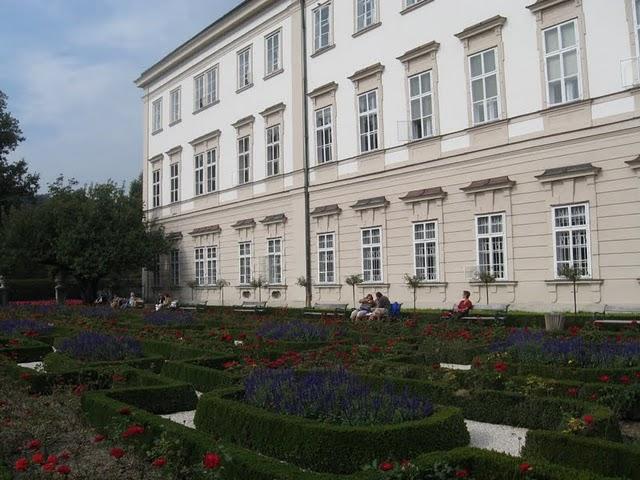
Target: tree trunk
575,300
414,300
222,295
353,289
486,287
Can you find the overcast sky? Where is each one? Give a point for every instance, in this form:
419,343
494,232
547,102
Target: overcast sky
68,68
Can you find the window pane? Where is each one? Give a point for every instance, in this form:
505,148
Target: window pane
476,65
426,106
570,63
555,92
491,86
553,67
478,112
426,82
551,40
568,35
572,89
415,109
414,85
477,90
489,61
562,217
492,109
483,225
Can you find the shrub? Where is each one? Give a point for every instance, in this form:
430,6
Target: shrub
163,318
203,378
296,331
28,328
95,347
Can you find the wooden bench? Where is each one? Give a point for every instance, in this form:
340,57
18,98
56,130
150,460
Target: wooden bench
499,311
619,309
327,309
198,307
251,307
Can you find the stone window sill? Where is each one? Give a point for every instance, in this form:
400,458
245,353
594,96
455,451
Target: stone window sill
215,102
322,50
246,87
364,30
275,73
415,6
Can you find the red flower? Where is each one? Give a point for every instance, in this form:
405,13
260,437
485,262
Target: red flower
116,452
38,458
588,420
435,366
500,367
625,380
604,378
98,438
462,473
64,455
525,467
49,467
572,392
226,338
574,330
79,390
21,465
159,462
386,466
211,461
124,411
25,376
52,459
116,377
594,397
132,431
64,470
231,364
34,444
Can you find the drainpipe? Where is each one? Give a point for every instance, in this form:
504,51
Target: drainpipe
305,158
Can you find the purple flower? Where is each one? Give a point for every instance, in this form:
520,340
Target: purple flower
98,347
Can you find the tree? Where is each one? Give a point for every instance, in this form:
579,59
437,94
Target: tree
87,233
413,282
485,278
16,183
572,274
258,283
221,283
354,280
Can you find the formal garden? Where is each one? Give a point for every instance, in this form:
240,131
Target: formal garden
91,392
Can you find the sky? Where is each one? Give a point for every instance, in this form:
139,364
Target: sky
68,68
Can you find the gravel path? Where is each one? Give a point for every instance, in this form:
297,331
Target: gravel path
183,418
500,438
32,365
455,366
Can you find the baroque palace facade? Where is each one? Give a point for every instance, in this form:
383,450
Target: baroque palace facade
434,138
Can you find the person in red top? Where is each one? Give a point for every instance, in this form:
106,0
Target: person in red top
461,309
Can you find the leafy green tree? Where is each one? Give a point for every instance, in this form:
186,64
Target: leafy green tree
221,283
413,282
352,281
485,277
87,233
258,283
572,274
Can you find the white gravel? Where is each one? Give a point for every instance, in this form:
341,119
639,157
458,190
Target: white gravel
183,418
500,438
455,366
38,366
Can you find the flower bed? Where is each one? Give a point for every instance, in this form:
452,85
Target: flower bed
26,327
296,331
164,318
98,347
23,350
321,446
204,374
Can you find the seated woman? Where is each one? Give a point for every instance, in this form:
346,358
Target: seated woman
463,307
366,304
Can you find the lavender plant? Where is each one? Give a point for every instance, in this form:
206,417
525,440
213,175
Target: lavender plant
25,327
163,318
98,347
333,396
296,331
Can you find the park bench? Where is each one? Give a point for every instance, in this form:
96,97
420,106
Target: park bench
251,307
327,310
198,307
609,313
491,311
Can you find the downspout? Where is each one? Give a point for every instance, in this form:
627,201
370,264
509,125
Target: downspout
305,159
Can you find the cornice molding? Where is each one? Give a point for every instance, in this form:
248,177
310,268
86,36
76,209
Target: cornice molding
486,25
323,89
280,107
248,120
420,51
416,196
544,4
370,71
156,158
489,184
174,150
567,173
205,138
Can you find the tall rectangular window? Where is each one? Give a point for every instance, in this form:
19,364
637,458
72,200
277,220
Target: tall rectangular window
155,181
206,88
571,238
491,244
637,16
273,53
372,254
245,74
199,173
365,13
421,106
200,266
273,150
206,265
212,265
562,62
326,258
245,262
274,260
425,250
157,116
174,258
368,121
324,135
484,86
176,105
322,27
244,160
174,182
212,170
409,3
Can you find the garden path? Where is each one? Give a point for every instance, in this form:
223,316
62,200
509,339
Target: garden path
500,438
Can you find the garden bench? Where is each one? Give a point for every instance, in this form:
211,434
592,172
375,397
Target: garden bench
327,309
618,309
251,307
198,307
499,312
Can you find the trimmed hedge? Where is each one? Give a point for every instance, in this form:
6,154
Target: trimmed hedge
569,373
171,351
203,378
322,446
27,351
162,399
5,473
597,455
486,465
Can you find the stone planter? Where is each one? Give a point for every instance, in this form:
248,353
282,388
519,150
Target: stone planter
554,321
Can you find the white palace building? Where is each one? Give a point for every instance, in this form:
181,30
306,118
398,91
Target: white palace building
437,138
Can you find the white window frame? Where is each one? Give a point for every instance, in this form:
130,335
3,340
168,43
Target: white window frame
490,236
369,141
205,88
482,77
274,149
273,52
175,97
212,264
205,172
244,262
369,274
326,257
425,243
174,182
561,52
324,148
368,16
245,67
156,187
429,119
212,170
274,260
244,160
200,266
636,9
174,266
156,115
322,29
571,228
199,174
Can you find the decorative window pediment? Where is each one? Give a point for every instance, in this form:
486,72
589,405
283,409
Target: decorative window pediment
205,230
326,210
273,219
367,203
565,173
488,184
424,194
247,223
479,28
205,138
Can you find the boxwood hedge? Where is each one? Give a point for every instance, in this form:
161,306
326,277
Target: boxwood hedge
27,350
202,377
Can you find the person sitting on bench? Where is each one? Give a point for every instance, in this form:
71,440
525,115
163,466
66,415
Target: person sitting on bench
462,309
366,304
383,305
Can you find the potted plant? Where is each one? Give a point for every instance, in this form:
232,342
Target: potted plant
485,277
192,284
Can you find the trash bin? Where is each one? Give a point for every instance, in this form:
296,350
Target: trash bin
554,321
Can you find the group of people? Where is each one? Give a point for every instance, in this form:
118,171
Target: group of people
118,303
165,301
372,309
